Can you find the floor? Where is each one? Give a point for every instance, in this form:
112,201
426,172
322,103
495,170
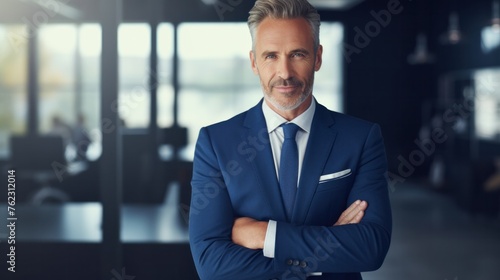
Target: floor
434,239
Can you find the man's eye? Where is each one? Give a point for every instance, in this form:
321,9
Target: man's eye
298,55
270,56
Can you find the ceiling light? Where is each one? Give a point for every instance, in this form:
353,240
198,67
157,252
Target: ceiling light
421,55
495,21
453,35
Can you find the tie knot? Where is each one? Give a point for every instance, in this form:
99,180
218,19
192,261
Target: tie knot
290,130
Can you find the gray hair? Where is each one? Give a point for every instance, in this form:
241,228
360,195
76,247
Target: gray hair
284,9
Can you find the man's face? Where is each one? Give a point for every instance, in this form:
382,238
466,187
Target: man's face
285,61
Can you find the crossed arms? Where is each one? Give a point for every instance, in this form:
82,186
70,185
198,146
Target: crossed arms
251,233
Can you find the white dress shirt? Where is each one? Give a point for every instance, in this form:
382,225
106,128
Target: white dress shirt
276,137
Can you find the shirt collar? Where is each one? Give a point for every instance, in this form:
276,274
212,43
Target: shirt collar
274,120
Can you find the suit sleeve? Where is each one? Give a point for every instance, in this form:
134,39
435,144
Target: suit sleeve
211,221
348,248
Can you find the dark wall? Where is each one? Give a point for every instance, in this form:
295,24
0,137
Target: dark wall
380,85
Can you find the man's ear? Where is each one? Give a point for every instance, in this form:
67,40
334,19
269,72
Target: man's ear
319,58
253,64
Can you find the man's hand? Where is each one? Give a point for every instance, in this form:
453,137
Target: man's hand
249,233
353,214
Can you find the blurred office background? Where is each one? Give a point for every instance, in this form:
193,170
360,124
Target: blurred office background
101,103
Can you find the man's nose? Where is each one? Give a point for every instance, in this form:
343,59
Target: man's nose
284,69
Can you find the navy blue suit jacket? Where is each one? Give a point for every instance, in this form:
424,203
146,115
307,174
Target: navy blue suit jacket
234,176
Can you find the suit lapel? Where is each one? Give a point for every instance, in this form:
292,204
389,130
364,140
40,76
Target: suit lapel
263,162
318,149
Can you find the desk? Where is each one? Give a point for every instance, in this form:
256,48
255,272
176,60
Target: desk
81,223
64,242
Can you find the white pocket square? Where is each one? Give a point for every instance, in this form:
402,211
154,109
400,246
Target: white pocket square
336,175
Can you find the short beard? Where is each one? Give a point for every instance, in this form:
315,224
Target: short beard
289,107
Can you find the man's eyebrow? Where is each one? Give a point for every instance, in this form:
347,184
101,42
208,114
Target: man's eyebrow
300,50
266,53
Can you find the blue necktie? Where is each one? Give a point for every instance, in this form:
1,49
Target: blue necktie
289,167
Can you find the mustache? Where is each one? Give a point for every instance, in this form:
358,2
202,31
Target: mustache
286,83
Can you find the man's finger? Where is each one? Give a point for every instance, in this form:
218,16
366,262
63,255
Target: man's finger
357,206
353,214
357,218
351,208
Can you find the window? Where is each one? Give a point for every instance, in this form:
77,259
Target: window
216,79
165,93
134,48
89,97
57,75
328,80
487,104
13,80
69,80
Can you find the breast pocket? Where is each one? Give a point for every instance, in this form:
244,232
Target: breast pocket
335,184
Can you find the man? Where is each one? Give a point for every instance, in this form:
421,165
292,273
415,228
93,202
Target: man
288,189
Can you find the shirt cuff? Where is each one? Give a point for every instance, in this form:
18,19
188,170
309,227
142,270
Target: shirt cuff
270,240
